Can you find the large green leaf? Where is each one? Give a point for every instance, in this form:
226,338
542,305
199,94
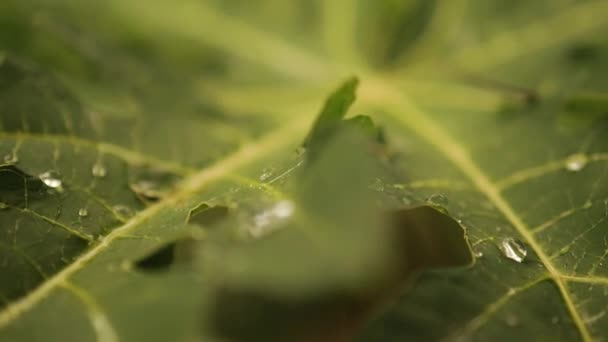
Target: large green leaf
151,188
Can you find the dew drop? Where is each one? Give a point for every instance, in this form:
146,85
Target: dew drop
52,179
99,170
478,254
377,185
151,184
437,200
514,249
555,320
83,212
11,158
266,174
149,190
576,162
3,206
123,211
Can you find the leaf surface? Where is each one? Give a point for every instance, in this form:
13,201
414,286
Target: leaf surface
125,122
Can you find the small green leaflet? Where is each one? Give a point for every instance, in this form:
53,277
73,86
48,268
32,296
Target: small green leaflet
152,180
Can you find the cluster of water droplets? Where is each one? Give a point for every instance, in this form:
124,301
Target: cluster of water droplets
267,174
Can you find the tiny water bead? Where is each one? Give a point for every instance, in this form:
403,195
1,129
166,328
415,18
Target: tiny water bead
99,170
576,162
266,174
149,190
3,206
83,212
514,249
123,211
377,185
437,200
151,184
52,179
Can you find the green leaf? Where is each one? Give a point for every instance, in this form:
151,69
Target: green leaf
152,187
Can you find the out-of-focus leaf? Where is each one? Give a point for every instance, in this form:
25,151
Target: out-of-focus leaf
142,143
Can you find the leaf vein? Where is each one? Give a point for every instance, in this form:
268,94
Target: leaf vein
246,154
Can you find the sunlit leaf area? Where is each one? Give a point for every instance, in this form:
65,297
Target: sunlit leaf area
303,170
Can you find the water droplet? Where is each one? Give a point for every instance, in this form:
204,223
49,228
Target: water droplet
3,206
52,179
377,185
83,212
11,158
99,170
123,211
514,249
149,190
150,184
265,222
555,320
478,254
576,162
437,200
266,174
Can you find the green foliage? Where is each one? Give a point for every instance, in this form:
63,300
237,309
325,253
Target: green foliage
167,173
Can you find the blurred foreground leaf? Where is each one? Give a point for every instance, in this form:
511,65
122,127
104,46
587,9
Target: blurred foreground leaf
154,184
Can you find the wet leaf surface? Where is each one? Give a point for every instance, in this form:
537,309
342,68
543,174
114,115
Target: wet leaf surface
197,170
